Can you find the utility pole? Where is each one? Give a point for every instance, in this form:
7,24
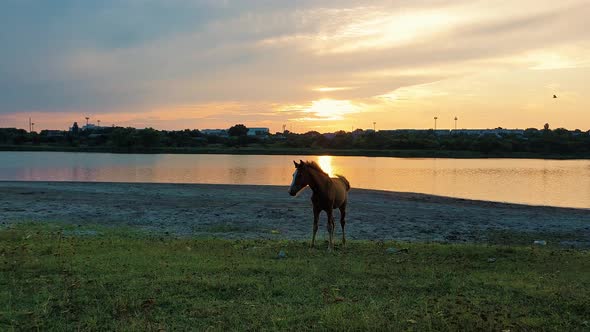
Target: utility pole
456,123
30,127
435,118
374,126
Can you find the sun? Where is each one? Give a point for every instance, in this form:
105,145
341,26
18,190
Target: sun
330,109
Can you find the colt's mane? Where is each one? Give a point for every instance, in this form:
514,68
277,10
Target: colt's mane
314,165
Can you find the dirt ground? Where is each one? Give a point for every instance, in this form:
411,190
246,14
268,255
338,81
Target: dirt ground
232,211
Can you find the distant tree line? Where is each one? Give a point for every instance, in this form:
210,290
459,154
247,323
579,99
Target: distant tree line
558,141
126,138
544,141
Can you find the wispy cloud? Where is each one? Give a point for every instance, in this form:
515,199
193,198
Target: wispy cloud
145,58
333,88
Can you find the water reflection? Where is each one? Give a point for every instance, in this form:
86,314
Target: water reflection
325,163
238,175
540,182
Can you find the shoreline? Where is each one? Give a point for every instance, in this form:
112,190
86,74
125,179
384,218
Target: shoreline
406,195
268,212
451,154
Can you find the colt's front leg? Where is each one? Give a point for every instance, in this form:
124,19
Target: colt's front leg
316,219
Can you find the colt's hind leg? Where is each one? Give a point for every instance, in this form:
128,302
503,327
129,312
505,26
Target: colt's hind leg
343,222
316,219
331,229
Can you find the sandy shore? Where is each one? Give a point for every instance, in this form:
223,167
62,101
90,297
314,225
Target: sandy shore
233,211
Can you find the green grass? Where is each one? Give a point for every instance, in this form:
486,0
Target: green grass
53,277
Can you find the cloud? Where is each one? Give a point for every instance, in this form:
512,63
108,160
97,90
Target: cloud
128,56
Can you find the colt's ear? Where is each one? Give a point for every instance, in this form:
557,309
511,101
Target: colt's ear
294,162
301,162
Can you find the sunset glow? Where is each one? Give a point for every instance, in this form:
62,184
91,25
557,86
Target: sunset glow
321,66
332,89
387,31
329,109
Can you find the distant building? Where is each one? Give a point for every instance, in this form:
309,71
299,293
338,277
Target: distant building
258,132
481,132
53,133
503,132
471,132
214,132
442,132
89,126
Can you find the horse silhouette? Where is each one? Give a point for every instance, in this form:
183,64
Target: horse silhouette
328,194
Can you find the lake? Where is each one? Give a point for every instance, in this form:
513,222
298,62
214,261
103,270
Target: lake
529,181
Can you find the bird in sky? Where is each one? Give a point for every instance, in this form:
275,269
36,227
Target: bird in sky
554,96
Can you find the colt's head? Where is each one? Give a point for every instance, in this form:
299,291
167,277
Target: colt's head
299,179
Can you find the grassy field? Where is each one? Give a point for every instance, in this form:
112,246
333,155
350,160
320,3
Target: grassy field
56,277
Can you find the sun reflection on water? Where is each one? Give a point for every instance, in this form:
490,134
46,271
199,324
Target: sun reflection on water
326,164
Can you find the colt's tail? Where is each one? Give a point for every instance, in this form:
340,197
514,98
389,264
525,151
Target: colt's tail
345,181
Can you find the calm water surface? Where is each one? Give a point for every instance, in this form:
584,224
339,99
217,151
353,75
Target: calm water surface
530,181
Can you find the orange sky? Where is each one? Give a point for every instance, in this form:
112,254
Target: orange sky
318,65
